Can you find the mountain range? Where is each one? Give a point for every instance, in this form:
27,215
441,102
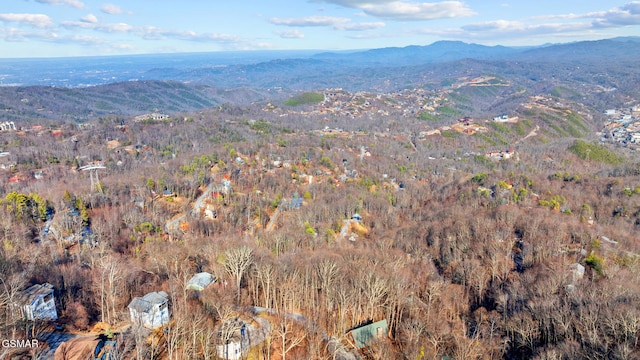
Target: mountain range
177,82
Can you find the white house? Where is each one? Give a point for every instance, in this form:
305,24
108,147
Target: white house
7,126
151,310
501,118
37,303
234,335
233,350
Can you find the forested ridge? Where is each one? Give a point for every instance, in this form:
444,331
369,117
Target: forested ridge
464,256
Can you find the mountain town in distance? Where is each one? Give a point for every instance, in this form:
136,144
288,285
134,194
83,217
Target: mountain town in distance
449,201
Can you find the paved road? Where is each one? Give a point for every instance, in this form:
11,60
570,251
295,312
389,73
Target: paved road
173,226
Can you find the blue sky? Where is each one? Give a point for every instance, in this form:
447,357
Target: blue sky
45,28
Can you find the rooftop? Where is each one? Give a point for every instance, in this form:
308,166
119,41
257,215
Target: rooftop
200,280
146,303
35,291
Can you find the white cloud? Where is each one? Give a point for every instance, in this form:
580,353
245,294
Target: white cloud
226,40
360,26
84,40
506,29
35,20
119,27
126,47
628,14
290,34
111,9
500,25
73,3
336,23
554,17
109,28
560,25
18,35
89,18
12,34
310,21
403,10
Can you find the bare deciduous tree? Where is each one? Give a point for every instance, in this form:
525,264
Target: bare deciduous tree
237,262
266,273
108,285
288,335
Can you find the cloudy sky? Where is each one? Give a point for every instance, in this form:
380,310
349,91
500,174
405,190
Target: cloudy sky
44,28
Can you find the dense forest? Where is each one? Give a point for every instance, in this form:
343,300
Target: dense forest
464,256
468,236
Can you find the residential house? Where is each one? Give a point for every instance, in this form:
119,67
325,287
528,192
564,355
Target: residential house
8,126
504,118
200,281
224,188
234,335
364,336
293,204
16,179
153,116
37,303
502,154
151,310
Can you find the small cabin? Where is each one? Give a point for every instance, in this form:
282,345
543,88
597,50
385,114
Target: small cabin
37,303
200,281
366,335
151,310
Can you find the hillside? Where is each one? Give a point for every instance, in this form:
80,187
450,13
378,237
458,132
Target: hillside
122,99
431,233
469,209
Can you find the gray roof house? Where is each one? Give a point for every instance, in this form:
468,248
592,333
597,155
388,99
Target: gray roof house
37,303
200,281
151,310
